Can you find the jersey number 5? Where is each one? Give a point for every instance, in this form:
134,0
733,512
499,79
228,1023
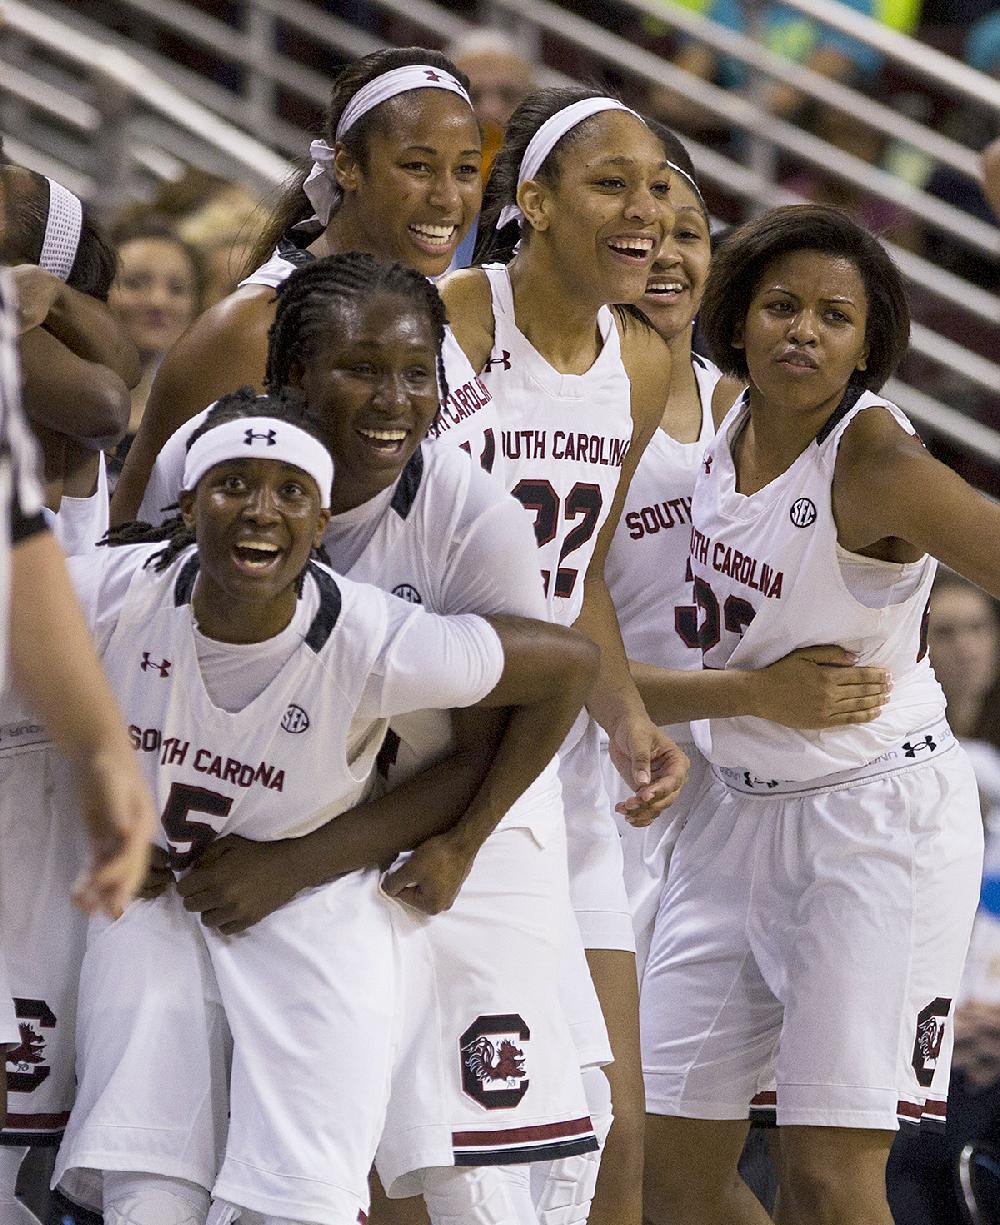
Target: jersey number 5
583,502
189,838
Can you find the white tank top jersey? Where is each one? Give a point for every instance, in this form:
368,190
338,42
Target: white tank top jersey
362,657
467,417
564,438
451,541
81,522
648,568
770,577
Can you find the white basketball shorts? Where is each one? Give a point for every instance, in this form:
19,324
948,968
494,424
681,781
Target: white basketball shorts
487,1071
596,881
44,851
813,938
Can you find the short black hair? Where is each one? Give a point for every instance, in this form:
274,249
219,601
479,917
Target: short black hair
743,256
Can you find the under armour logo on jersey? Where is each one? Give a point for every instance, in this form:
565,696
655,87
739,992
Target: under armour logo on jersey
431,75
269,437
410,594
707,464
163,667
502,360
295,719
911,750
751,780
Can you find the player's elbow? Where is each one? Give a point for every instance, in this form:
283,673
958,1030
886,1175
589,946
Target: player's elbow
102,415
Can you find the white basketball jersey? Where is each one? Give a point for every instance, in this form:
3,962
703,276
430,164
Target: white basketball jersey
648,569
81,522
467,419
564,438
439,544
770,577
251,771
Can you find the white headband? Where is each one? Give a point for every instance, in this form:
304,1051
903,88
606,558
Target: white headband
694,186
320,187
546,138
62,231
260,438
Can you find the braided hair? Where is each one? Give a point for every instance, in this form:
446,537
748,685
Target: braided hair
286,405
305,300
293,206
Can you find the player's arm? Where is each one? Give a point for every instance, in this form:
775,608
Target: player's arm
813,687
546,673
84,324
223,349
70,395
467,299
887,485
648,760
54,666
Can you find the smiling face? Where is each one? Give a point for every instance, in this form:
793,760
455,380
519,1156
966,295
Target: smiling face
677,281
155,293
373,385
804,332
420,188
606,216
256,522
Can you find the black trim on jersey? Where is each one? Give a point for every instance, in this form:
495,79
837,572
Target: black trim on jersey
23,526
329,608
522,1155
408,485
698,360
298,256
185,581
32,1139
852,395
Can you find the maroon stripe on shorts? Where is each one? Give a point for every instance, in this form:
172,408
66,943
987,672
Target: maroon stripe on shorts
519,1135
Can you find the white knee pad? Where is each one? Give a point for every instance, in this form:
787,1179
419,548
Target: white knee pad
568,1187
152,1199
597,1089
224,1213
478,1195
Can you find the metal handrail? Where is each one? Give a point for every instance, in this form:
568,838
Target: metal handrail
927,62
744,114
947,421
814,84
256,160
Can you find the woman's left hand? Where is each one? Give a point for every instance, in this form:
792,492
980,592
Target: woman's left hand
430,879
651,764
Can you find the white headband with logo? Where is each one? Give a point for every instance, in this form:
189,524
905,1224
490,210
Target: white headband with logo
320,186
260,438
62,231
548,135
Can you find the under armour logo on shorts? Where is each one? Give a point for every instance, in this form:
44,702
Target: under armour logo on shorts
163,667
269,437
707,464
911,750
502,360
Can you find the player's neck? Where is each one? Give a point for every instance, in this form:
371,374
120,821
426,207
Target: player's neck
226,617
560,326
682,412
344,233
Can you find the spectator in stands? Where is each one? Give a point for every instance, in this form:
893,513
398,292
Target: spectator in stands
156,293
964,645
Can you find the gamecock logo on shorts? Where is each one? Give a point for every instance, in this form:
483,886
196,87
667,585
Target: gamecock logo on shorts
930,1035
493,1062
26,1063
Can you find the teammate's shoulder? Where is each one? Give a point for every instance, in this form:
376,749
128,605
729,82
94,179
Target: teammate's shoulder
469,305
465,289
725,393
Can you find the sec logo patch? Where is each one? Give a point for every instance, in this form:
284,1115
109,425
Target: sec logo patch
803,512
295,719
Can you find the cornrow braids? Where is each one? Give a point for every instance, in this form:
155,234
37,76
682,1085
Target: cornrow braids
293,207
306,299
285,404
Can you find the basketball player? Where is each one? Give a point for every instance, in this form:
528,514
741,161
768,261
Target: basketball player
583,185
74,405
820,897
398,176
648,571
289,1150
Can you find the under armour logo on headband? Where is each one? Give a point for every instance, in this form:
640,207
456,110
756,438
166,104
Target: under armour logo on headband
269,437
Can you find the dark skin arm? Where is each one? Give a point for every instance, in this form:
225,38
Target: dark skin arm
546,677
70,395
84,324
224,348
